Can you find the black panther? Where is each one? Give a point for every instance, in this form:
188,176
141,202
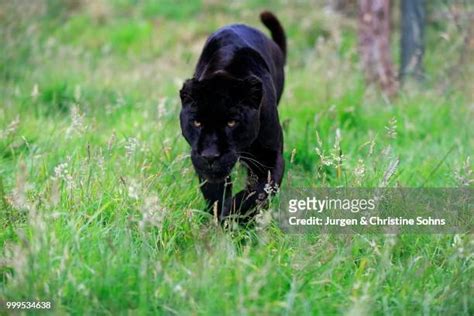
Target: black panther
229,114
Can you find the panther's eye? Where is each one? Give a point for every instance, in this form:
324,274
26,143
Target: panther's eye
196,123
231,123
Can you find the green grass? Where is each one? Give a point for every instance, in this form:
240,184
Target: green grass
100,209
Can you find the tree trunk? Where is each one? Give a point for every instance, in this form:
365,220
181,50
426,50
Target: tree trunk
374,44
412,47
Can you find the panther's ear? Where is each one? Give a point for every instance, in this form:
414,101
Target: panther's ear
186,92
252,91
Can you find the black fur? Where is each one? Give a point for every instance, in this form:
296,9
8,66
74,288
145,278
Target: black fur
229,114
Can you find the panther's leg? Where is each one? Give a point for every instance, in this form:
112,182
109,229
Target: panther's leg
268,175
216,192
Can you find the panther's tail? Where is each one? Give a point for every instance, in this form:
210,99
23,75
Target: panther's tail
278,33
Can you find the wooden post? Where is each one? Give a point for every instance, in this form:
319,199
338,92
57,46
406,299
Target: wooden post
412,35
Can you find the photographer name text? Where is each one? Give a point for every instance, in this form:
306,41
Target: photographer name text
352,206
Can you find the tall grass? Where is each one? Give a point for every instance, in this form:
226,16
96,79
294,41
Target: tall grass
100,209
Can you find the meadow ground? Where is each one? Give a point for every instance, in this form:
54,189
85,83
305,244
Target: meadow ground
100,208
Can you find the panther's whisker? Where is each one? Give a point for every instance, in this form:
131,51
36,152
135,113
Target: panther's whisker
255,161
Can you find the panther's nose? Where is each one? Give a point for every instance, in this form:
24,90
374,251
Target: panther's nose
210,156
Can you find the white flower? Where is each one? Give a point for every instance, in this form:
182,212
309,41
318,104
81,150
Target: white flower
465,175
263,219
134,190
10,129
61,172
152,213
271,188
77,122
131,146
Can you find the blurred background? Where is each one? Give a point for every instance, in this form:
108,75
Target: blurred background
137,42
